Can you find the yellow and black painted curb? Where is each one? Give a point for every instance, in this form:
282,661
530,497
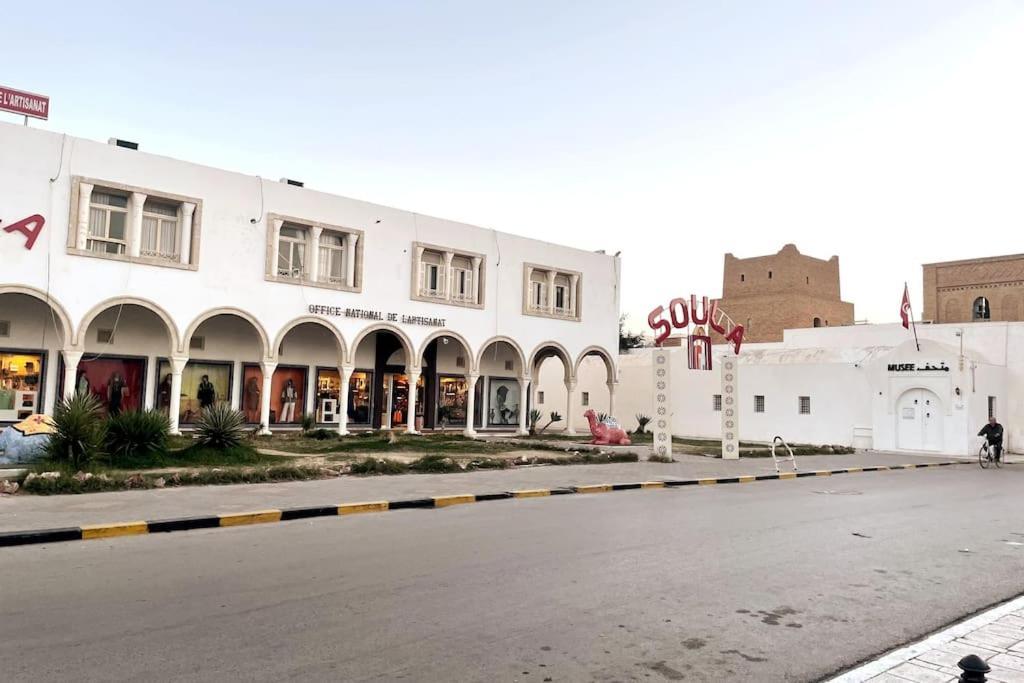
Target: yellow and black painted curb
97,531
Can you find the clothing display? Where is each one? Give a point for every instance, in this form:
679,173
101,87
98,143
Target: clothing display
203,384
288,398
116,382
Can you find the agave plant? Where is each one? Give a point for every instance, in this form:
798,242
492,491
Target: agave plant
79,431
220,427
641,423
535,416
555,417
602,417
136,433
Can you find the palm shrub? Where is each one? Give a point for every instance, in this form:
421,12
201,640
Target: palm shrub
535,416
220,426
79,431
308,422
555,417
602,417
137,434
641,423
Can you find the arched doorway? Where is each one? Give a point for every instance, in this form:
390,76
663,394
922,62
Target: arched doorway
919,421
502,393
596,378
383,363
550,358
33,331
310,355
447,369
123,342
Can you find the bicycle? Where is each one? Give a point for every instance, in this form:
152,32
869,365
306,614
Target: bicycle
985,457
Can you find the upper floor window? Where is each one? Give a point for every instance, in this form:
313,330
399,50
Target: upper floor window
108,223
313,254
133,223
444,275
291,253
980,310
551,292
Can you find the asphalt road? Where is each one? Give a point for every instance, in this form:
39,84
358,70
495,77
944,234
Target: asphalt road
769,581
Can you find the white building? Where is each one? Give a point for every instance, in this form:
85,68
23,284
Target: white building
149,281
865,386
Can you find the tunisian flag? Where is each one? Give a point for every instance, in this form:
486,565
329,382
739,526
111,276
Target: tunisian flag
905,308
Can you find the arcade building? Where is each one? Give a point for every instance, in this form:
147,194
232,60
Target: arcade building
151,282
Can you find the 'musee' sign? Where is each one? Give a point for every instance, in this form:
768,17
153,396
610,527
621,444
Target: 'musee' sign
914,367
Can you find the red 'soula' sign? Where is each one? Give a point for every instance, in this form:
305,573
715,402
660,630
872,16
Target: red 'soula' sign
29,227
681,315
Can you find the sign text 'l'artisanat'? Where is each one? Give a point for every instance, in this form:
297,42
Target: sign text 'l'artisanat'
364,314
24,103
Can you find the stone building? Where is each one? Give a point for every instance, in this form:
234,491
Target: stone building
974,290
787,290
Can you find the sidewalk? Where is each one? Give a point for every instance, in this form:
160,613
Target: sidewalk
997,636
26,512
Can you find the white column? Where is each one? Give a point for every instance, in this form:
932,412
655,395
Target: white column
351,240
551,291
314,256
236,385
611,399
174,406
148,399
188,211
135,225
448,275
344,372
71,360
84,199
414,377
476,279
570,388
524,408
309,398
417,286
275,244
268,377
471,379
573,283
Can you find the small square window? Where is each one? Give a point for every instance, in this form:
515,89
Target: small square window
460,361
540,398
197,343
743,278
508,365
5,328
805,405
759,404
716,403
586,398
769,275
104,336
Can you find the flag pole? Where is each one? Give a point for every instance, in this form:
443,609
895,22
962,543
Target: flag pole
912,323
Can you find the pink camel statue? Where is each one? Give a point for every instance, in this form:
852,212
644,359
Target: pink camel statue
605,435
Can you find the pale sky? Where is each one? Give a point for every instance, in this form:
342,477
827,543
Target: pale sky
888,132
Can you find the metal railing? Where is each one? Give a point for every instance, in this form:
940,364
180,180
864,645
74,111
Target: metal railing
792,460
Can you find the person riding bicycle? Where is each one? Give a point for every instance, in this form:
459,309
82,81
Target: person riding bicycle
993,433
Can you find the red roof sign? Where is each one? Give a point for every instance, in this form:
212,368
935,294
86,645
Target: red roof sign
25,103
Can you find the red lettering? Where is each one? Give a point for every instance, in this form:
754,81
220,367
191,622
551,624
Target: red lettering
656,322
679,304
715,322
736,337
698,320
31,233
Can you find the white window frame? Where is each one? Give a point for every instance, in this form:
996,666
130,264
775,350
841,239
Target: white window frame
462,284
293,243
318,257
540,398
162,221
538,295
329,254
453,283
547,282
92,239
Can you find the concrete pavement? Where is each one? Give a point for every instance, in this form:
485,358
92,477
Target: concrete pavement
775,581
24,512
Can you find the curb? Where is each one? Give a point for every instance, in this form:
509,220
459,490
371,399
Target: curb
137,528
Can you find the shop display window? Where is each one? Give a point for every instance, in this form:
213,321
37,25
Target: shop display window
503,402
360,393
252,392
288,395
117,383
203,385
328,396
21,383
452,395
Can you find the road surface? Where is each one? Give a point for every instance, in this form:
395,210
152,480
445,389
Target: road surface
768,581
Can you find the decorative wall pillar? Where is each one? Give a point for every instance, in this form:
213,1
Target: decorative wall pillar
529,288
188,212
570,390
551,292
410,418
314,254
351,240
471,379
661,437
71,360
344,374
84,200
275,244
574,281
174,404
418,285
448,256
476,279
268,377
524,408
730,409
236,385
135,224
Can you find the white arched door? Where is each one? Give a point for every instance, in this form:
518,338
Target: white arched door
919,421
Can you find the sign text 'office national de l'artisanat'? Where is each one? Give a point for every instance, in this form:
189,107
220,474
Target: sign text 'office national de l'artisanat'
364,314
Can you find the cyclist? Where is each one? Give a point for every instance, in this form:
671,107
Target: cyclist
993,433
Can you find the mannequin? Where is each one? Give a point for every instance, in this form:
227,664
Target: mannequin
288,397
252,400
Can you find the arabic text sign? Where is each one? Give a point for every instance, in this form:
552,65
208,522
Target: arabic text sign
25,103
914,367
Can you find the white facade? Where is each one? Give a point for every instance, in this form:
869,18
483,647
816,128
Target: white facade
850,385
216,291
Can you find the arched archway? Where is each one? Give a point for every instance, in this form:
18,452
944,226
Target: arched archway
312,320
264,340
309,354
384,363
980,309
593,384
120,303
502,396
448,370
500,352
568,409
34,330
816,322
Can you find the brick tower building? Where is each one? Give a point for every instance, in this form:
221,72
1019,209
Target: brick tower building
767,294
975,290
